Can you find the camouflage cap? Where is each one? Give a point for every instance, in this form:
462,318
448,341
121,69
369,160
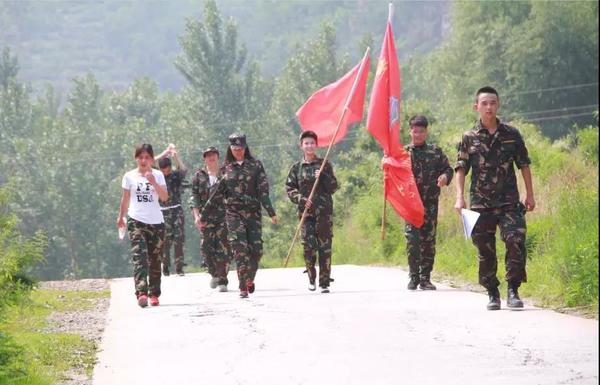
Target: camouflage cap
210,149
238,140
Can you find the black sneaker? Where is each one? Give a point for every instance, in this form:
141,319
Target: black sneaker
426,285
494,295
512,300
413,283
324,290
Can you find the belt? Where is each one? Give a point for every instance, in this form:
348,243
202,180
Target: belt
170,207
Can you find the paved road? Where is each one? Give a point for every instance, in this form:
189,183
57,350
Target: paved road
368,330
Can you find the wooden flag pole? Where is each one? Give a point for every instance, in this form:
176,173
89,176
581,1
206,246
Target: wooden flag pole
383,214
337,129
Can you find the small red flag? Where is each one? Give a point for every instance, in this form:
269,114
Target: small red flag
321,113
383,122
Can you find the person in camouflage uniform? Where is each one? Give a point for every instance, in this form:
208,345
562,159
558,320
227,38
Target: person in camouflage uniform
431,170
214,246
490,150
245,188
317,229
173,210
142,188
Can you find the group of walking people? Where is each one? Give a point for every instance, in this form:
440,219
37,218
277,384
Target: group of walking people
227,202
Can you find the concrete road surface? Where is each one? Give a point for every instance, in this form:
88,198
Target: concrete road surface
369,330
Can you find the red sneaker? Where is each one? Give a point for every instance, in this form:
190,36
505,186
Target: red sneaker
142,300
250,286
243,293
153,300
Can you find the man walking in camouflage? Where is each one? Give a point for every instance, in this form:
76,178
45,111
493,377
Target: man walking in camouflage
317,229
490,150
172,210
431,170
245,188
214,247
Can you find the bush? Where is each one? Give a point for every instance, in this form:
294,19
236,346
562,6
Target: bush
588,143
16,253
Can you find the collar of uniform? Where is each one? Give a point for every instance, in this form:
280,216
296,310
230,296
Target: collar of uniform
304,161
411,146
479,126
204,171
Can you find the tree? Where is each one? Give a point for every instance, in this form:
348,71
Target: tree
225,92
537,54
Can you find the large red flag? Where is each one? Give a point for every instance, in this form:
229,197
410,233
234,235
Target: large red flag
383,122
321,113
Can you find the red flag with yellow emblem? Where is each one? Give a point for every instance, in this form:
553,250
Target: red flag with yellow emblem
383,122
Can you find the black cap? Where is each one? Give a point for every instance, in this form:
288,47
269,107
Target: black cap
164,163
210,149
237,140
418,120
309,134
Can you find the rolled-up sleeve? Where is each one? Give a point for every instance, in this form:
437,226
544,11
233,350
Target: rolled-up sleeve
522,155
462,158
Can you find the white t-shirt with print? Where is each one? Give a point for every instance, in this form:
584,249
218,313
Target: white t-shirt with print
143,198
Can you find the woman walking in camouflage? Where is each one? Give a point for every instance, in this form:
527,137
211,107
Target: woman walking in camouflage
317,228
142,188
245,188
214,246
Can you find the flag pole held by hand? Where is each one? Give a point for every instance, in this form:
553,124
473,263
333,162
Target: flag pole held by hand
331,142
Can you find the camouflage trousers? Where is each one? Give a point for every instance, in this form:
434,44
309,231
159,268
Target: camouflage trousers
174,236
215,251
146,248
511,221
244,233
420,245
317,234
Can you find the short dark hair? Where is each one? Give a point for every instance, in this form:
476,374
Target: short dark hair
309,134
144,147
418,120
164,162
486,90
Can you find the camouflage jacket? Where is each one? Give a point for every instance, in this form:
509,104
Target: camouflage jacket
201,192
300,181
175,185
491,157
428,163
243,187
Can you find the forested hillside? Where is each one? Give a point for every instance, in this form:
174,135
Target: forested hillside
248,66
119,41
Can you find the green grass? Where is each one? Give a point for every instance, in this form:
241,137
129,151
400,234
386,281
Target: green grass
41,357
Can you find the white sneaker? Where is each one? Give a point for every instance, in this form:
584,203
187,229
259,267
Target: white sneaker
324,290
214,282
222,288
312,287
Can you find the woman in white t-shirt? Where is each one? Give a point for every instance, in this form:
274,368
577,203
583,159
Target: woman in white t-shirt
142,188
